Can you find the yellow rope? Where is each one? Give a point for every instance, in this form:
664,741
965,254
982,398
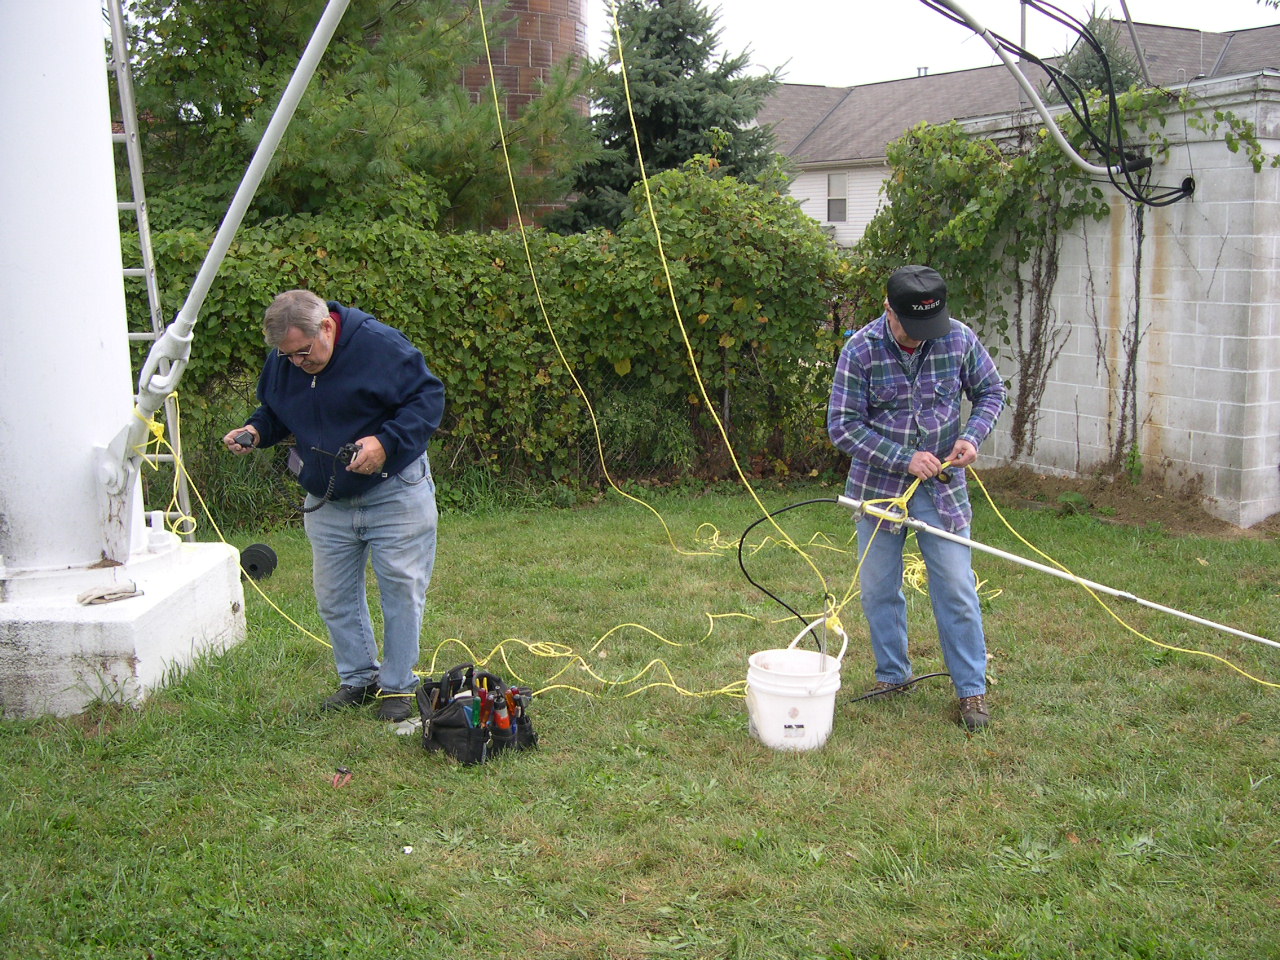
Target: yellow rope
577,662
542,307
182,524
1106,606
533,273
543,649
914,573
675,307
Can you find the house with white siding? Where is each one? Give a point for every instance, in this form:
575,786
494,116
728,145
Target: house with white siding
836,136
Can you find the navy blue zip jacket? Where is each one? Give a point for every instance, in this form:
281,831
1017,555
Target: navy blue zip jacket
375,384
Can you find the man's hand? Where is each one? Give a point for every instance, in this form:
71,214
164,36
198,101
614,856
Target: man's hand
963,453
924,465
371,458
230,442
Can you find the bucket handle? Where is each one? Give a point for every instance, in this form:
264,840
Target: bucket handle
819,621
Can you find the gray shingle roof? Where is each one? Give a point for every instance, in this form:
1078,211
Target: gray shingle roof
796,109
1176,54
816,124
1250,50
867,117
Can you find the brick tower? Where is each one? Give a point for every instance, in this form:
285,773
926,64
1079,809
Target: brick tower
545,33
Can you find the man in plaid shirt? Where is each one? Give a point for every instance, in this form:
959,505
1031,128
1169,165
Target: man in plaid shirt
895,409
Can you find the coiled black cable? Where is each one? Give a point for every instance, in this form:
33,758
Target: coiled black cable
742,563
765,590
345,455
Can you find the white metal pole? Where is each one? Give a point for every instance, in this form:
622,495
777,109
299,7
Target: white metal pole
175,344
920,526
64,363
1090,168
1137,47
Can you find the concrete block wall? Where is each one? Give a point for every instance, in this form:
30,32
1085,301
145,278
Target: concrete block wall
1202,294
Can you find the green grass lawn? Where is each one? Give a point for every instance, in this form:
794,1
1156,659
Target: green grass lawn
1125,802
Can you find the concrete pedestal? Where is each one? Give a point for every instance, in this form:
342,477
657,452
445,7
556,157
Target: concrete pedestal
65,395
58,655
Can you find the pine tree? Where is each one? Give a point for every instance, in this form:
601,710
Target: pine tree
385,128
687,100
1083,65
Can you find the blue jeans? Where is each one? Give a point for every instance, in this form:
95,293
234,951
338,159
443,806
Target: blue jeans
395,523
952,591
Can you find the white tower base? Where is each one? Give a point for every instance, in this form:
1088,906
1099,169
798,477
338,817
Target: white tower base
65,395
58,655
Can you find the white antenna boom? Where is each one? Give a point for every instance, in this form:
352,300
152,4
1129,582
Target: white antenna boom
893,516
1090,168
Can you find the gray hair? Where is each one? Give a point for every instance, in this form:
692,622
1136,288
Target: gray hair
293,308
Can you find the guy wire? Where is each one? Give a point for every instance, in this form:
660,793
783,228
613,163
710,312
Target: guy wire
675,306
542,307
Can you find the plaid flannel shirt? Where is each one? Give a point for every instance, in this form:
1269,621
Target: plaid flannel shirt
881,413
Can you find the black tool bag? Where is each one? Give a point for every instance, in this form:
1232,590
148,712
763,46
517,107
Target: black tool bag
473,716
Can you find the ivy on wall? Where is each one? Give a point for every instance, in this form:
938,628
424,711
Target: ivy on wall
990,216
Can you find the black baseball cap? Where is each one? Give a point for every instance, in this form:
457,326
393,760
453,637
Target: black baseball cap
918,295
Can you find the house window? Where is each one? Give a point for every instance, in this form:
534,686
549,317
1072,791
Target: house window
837,197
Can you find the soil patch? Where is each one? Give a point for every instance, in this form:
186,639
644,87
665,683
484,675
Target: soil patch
1118,500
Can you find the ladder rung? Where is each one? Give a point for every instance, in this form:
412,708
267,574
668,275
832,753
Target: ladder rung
129,135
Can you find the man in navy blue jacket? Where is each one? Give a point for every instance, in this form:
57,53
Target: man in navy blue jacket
358,399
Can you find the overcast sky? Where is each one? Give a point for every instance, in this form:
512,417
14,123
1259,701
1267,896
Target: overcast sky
845,42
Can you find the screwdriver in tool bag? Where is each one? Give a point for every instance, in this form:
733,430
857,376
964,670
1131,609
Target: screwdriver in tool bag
465,698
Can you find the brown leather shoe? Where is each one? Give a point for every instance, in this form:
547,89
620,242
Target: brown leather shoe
883,688
349,696
974,712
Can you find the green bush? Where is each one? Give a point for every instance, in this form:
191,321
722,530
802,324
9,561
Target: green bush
755,282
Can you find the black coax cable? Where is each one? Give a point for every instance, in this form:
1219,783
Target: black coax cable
743,566
1109,142
742,563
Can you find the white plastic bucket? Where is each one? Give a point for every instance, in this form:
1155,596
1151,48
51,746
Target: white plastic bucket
791,694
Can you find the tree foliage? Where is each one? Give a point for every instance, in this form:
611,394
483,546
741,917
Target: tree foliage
686,97
1082,63
385,126
753,279
987,215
